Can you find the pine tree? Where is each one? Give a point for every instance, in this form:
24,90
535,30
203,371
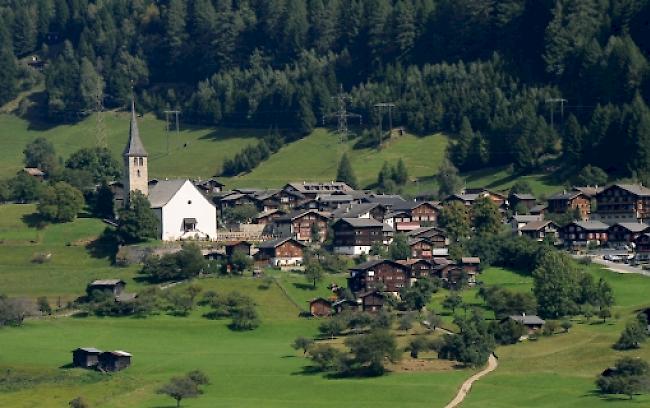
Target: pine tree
460,151
400,173
572,142
8,67
345,172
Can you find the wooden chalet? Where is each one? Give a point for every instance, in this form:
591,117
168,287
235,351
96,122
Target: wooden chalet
331,202
420,268
384,275
299,224
642,247
111,286
85,357
522,200
469,196
565,201
580,233
313,189
453,273
210,186
278,199
234,199
114,360
420,211
241,246
540,230
518,221
539,209
356,236
268,217
281,252
421,248
626,232
320,307
363,210
389,201
624,203
401,221
532,322
342,305
371,301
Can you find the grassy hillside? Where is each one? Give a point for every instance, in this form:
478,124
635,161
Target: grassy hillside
200,152
316,157
196,152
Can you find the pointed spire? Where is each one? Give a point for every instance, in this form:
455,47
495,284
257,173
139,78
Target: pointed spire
134,147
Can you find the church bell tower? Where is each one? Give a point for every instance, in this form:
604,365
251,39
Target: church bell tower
136,176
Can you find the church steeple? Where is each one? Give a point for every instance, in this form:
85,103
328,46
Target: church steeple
134,147
136,175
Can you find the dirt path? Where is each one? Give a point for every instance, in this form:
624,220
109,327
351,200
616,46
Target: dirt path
467,385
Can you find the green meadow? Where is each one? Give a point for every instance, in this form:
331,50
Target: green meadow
259,368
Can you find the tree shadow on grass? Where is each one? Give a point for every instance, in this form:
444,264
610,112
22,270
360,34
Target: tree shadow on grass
34,220
303,286
105,246
66,366
612,397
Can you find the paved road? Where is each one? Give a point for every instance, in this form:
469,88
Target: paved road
467,385
619,267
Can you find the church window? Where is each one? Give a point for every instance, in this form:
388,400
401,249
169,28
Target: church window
141,161
138,173
189,201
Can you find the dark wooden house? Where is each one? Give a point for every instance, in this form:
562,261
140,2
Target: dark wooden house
299,225
420,268
421,248
531,322
566,201
527,201
342,305
642,249
580,233
114,360
85,357
356,236
540,230
624,203
371,301
241,246
626,232
320,307
384,275
111,286
281,252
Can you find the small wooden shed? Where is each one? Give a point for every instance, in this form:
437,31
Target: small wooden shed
85,357
371,301
320,307
114,360
111,286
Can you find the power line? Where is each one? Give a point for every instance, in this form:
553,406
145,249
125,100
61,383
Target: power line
342,114
554,101
380,107
167,131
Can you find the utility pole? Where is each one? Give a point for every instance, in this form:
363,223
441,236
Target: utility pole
342,114
553,101
100,128
167,130
380,107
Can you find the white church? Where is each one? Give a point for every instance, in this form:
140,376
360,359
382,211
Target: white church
184,212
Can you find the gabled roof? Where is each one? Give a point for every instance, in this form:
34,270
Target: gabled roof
297,214
470,260
412,204
106,282
371,264
335,198
527,319
90,350
591,225
387,200
268,213
315,187
354,210
163,191
523,196
566,195
538,208
134,147
589,190
274,243
119,353
636,189
536,225
361,222
525,218
632,226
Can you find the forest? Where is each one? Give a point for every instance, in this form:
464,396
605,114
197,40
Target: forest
532,83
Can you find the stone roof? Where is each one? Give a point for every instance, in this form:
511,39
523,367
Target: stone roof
526,218
633,226
470,260
636,189
106,282
353,210
536,225
592,225
362,222
273,243
134,148
523,196
565,195
527,319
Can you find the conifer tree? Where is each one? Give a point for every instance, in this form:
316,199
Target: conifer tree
345,172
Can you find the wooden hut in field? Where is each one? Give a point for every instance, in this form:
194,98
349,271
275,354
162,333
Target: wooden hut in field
85,357
114,360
